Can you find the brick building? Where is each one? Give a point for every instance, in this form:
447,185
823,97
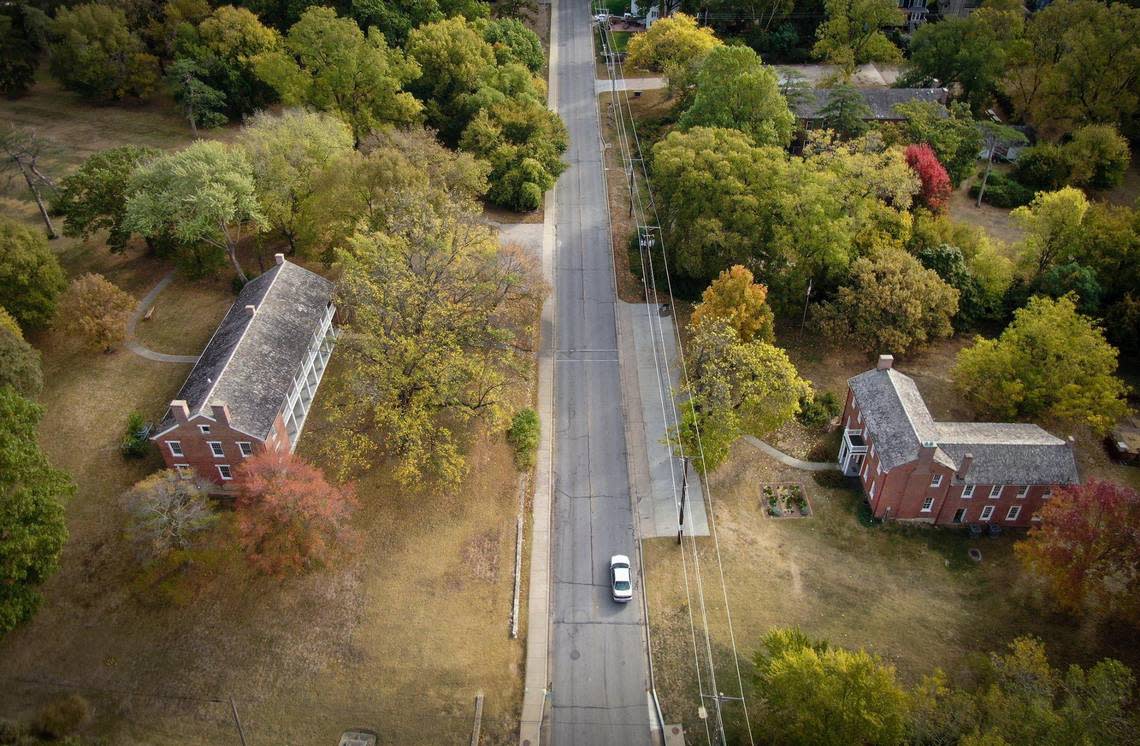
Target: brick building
252,387
915,469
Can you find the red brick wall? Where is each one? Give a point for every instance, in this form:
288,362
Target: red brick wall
196,450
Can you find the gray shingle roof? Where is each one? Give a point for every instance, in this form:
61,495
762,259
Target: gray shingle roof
250,361
1004,453
882,101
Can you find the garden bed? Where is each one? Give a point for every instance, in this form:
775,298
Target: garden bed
785,500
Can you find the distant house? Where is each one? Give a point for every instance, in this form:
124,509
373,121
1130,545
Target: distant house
253,385
881,101
915,469
914,12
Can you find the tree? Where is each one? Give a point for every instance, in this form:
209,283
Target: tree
846,112
167,511
852,34
96,54
955,139
19,361
94,197
289,154
817,694
202,193
1085,548
1109,242
674,45
23,38
514,42
453,59
31,510
735,297
1007,377
290,518
892,303
995,135
936,187
202,104
395,19
1075,278
96,311
735,89
734,387
30,276
965,51
179,20
1052,225
330,65
21,150
1099,156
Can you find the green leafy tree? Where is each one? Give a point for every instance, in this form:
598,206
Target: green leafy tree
202,105
329,64
95,53
94,197
1052,225
96,311
30,276
1062,279
395,18
737,298
846,112
31,510
204,193
1099,156
177,22
853,34
453,58
23,39
168,513
19,361
676,40
965,51
816,694
1109,242
950,264
735,89
1007,377
290,153
956,139
514,42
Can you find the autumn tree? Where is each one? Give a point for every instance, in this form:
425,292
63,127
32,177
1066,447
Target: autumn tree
204,193
1052,225
1049,362
168,512
96,310
734,388
94,197
818,694
30,276
330,65
891,303
852,33
955,139
453,57
19,361
96,54
742,302
514,42
936,187
1099,155
289,517
735,89
31,510
289,154
674,45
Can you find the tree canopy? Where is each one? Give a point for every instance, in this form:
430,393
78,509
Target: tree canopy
96,311
737,298
94,197
96,54
19,361
966,51
674,45
30,276
167,513
852,33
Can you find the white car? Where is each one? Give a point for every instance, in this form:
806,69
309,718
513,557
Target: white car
621,582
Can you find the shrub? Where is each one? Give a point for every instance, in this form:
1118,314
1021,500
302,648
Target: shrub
1099,155
817,411
61,717
1044,167
523,437
1003,191
135,442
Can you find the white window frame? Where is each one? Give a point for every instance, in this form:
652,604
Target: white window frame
878,467
965,514
245,447
936,480
1013,513
987,513
184,470
1046,494
967,492
928,505
175,447
1023,492
204,429
871,492
996,490
219,451
223,474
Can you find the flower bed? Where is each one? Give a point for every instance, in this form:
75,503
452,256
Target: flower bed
785,500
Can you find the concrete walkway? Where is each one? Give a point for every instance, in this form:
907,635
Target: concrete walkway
133,344
631,84
784,458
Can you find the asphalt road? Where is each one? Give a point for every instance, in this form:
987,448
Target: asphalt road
597,650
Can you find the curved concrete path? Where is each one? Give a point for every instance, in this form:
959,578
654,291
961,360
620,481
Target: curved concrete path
784,458
133,344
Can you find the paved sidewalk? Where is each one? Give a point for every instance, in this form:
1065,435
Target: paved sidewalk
603,85
133,344
784,458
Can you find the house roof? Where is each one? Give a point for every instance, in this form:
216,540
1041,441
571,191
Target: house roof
250,362
882,101
1004,453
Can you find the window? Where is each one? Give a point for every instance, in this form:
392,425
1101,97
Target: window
987,512
205,429
1023,491
927,504
184,470
175,447
1046,494
968,491
1013,513
878,467
224,472
936,480
216,448
959,515
995,491
245,447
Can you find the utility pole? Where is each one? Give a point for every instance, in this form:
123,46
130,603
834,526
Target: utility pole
684,494
807,300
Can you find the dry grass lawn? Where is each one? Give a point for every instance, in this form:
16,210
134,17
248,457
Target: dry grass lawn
185,315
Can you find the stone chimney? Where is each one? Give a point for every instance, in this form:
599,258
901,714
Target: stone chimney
180,410
221,413
964,468
926,452
886,362
279,258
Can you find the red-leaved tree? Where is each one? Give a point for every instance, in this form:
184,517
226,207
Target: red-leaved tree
936,187
289,517
1087,549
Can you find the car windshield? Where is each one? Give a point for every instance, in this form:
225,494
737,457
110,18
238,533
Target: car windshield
621,585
